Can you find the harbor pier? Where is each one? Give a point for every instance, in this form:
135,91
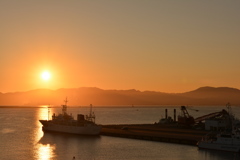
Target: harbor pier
170,133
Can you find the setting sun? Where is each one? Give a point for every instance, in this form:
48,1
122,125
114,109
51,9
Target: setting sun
46,75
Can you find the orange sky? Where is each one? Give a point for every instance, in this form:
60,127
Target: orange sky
167,46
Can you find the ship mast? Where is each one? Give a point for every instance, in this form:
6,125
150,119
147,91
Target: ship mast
91,116
48,113
64,107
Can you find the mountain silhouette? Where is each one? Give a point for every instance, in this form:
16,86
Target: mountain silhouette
99,97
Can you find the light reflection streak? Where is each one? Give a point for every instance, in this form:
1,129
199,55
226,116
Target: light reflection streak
42,151
45,152
41,114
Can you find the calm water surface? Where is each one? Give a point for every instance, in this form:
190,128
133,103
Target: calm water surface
21,137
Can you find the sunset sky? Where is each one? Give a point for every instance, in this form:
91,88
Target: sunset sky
160,45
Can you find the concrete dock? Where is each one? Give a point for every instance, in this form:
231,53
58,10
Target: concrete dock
163,133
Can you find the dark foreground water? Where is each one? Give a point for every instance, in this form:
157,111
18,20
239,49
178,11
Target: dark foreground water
21,137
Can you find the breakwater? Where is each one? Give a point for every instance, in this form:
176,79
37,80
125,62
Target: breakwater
161,132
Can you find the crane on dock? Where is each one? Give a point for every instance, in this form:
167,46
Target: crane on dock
211,115
185,118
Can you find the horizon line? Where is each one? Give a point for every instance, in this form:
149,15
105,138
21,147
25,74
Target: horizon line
117,89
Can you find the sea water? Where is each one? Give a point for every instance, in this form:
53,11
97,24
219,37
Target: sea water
21,136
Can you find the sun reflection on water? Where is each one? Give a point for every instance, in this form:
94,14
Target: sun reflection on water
44,112
43,151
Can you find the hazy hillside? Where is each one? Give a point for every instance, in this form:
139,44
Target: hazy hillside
96,96
214,96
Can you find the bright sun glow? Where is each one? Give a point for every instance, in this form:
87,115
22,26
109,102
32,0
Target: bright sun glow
46,75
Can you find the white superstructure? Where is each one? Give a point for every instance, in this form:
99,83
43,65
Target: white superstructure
225,142
65,123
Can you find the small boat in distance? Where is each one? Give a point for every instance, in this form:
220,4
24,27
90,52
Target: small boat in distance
65,123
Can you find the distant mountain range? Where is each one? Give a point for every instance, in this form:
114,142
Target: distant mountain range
99,97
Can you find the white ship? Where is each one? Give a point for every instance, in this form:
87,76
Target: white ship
65,123
224,141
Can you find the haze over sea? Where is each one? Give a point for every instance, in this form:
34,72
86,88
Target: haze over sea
21,136
166,50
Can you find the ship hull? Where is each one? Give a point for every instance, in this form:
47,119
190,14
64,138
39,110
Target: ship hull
87,129
218,146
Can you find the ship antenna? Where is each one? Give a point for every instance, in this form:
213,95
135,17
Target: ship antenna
90,109
91,116
66,101
48,112
64,109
